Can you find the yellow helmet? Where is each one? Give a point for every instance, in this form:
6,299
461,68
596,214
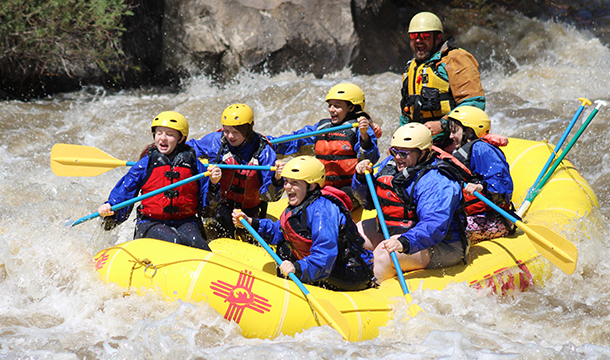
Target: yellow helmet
425,21
413,136
347,92
472,117
172,120
237,114
306,168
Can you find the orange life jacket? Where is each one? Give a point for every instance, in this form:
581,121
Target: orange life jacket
175,204
336,151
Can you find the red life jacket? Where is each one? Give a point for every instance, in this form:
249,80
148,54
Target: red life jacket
397,210
473,205
336,151
175,204
400,207
294,227
241,188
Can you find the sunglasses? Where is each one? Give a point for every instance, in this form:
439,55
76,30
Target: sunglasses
399,153
423,35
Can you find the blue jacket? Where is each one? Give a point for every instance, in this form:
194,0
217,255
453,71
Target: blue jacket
437,199
323,219
292,147
129,185
490,162
208,146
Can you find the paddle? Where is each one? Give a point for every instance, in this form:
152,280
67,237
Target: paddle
313,133
527,202
91,161
328,312
412,308
548,243
142,197
584,103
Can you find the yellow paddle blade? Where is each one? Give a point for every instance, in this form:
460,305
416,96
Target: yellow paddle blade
413,309
552,246
79,160
328,314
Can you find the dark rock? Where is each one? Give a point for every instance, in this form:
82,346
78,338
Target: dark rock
167,40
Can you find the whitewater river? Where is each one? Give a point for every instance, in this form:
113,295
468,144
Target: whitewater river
53,304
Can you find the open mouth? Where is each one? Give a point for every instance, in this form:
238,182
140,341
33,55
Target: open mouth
291,197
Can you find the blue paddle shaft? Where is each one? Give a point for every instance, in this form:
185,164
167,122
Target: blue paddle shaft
313,133
227,166
241,167
495,207
142,197
277,259
384,227
386,233
557,147
549,173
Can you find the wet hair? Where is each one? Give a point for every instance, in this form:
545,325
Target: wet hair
181,146
356,112
468,134
246,130
424,155
145,151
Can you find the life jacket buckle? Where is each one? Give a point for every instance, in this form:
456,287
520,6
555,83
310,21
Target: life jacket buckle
172,174
172,193
170,209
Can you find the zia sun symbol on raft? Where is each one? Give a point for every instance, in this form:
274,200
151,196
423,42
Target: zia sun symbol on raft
240,296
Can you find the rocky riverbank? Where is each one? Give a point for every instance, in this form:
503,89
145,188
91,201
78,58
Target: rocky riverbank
167,40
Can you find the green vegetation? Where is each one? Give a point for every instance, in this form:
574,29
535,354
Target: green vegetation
42,38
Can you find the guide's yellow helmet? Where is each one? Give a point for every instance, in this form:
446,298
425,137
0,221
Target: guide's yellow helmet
425,21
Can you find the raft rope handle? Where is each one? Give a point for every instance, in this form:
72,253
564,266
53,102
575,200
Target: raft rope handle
154,272
146,261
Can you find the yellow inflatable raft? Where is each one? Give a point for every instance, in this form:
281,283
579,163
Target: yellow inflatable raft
239,280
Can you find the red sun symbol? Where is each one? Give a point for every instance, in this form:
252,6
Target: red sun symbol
240,296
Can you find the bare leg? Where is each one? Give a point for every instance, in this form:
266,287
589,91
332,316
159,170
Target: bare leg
368,230
384,267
